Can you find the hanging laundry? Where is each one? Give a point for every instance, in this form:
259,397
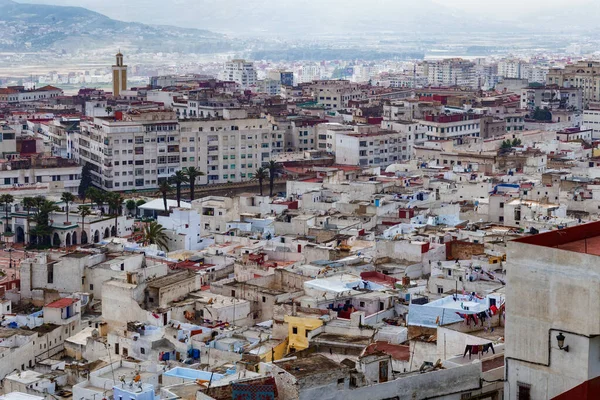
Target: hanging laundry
494,309
468,349
487,347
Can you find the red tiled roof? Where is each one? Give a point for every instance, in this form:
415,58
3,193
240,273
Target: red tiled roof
61,303
396,351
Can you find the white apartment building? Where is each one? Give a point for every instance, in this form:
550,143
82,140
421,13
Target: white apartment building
412,133
130,152
510,68
50,174
229,149
336,94
14,95
239,71
534,73
374,149
552,331
457,127
308,73
451,72
591,120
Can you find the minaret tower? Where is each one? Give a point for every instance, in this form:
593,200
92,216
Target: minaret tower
119,76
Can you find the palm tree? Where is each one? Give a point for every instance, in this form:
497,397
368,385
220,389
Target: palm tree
272,167
193,173
84,211
28,203
97,196
115,201
164,188
130,205
178,179
7,200
154,233
261,175
67,197
43,228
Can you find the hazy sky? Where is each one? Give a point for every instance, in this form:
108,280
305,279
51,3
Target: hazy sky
143,10
231,15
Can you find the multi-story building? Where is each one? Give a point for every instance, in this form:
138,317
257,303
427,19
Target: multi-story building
239,71
48,174
130,151
583,74
309,73
336,94
553,315
456,127
18,94
451,72
591,120
231,148
285,78
61,133
533,73
551,97
371,149
510,68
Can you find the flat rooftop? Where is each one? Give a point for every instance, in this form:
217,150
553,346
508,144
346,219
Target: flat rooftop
169,279
313,365
580,239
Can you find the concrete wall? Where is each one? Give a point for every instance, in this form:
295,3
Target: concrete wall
414,386
551,291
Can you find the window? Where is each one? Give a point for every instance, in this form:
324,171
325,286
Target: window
362,304
523,391
295,330
264,299
501,205
50,273
142,350
91,286
440,289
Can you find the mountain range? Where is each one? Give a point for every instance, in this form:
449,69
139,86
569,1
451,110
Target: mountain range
36,27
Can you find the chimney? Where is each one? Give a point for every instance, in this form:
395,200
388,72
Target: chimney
294,309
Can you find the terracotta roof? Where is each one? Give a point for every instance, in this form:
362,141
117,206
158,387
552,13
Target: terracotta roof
396,351
61,303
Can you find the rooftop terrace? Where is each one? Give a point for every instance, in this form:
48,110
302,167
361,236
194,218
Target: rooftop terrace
581,239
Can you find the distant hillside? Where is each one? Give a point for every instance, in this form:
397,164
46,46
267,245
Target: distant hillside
27,27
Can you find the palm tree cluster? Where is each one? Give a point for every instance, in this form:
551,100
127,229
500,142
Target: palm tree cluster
269,172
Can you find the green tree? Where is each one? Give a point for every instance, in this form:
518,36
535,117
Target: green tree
138,204
261,174
273,169
86,181
43,228
115,202
130,205
97,196
192,173
84,211
165,188
516,142
28,203
6,200
178,179
154,233
68,198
